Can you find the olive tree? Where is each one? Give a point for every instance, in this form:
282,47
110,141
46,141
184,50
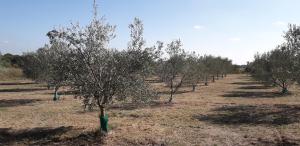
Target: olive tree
48,64
141,57
173,68
280,66
225,67
54,61
211,65
195,70
292,37
205,69
101,74
275,67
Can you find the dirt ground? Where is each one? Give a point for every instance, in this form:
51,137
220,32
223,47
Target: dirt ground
232,111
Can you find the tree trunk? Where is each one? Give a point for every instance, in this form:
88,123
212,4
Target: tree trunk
213,78
48,86
206,83
56,96
103,118
217,76
194,88
174,90
171,96
284,89
222,76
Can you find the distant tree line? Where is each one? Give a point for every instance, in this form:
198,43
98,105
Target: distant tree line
281,66
10,60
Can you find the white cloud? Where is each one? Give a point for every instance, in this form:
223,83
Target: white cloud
279,23
199,27
235,39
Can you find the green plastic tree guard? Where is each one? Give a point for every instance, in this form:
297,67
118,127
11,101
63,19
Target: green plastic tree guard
104,123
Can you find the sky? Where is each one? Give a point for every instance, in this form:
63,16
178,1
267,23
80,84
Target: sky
236,29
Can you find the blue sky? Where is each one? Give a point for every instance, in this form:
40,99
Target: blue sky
236,29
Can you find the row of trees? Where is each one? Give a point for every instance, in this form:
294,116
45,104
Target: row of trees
79,57
181,68
75,57
281,66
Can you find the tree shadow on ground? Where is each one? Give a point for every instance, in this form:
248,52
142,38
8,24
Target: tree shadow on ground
253,115
8,135
87,138
246,83
178,92
255,94
17,102
255,87
17,83
69,92
133,106
47,136
22,90
283,141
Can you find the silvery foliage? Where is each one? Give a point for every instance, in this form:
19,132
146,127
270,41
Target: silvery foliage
210,67
292,37
141,57
226,66
261,68
173,68
194,70
53,61
274,67
98,73
280,66
48,64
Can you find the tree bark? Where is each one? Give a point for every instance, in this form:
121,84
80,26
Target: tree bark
284,89
206,83
56,96
194,88
171,93
171,97
103,119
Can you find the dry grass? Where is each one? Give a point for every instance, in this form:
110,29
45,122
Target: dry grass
232,111
10,73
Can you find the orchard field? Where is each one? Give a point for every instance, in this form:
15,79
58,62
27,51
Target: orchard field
150,73
235,110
